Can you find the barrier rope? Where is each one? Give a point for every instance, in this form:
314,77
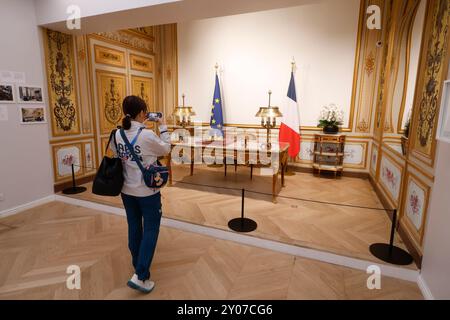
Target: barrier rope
269,194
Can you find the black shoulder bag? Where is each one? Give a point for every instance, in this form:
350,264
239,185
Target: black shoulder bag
109,178
155,175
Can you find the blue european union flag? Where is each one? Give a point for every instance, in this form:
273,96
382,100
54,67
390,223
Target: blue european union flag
216,121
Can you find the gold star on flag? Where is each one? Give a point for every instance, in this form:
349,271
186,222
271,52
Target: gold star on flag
217,100
213,121
212,107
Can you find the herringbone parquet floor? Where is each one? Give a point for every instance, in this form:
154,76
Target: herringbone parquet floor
37,246
342,230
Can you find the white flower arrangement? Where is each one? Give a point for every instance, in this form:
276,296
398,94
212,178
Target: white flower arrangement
331,116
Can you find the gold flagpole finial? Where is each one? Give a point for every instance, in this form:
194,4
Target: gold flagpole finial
270,94
183,96
216,67
293,64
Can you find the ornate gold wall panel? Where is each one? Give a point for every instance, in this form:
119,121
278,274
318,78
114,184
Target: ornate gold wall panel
133,39
83,85
111,90
167,70
432,73
380,98
369,69
109,56
396,86
61,79
143,87
141,63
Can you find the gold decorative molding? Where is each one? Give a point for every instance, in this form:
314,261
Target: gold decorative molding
363,126
146,32
108,56
367,81
129,39
111,90
83,86
143,87
433,71
356,65
141,63
61,82
370,63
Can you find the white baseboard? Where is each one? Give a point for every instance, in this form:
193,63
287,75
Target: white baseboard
426,292
26,206
360,264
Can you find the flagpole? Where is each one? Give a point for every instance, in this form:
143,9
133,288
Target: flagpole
286,172
216,165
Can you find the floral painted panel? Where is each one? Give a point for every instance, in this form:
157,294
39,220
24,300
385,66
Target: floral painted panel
391,177
306,150
374,159
354,154
65,157
415,203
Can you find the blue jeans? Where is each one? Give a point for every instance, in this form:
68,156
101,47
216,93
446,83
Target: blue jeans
142,235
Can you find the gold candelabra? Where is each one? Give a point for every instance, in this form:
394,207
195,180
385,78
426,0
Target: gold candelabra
269,117
182,115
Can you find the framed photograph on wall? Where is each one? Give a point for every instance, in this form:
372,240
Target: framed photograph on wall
29,94
32,114
6,93
443,132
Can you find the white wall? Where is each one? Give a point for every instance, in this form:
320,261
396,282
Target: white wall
255,52
25,165
436,252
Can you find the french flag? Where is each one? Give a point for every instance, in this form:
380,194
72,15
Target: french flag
290,126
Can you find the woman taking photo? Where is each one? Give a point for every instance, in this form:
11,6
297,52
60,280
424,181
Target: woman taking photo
142,204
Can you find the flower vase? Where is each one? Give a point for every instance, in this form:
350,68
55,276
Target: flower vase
330,129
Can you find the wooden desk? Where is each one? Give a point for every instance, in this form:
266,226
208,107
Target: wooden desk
250,154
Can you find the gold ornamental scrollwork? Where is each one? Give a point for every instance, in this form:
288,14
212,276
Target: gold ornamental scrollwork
61,83
112,109
143,88
435,64
363,126
370,63
111,90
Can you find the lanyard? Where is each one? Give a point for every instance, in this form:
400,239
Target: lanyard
136,136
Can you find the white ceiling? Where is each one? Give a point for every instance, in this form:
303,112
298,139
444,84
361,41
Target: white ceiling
109,15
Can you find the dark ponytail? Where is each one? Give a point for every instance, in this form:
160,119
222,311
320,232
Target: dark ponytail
132,106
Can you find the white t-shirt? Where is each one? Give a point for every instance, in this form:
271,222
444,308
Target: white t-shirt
148,147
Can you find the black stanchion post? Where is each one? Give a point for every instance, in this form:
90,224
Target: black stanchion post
389,252
74,189
242,224
393,226
73,177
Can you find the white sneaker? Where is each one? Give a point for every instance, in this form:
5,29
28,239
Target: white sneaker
142,286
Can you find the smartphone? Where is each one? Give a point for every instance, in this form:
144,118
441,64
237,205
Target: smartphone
154,116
